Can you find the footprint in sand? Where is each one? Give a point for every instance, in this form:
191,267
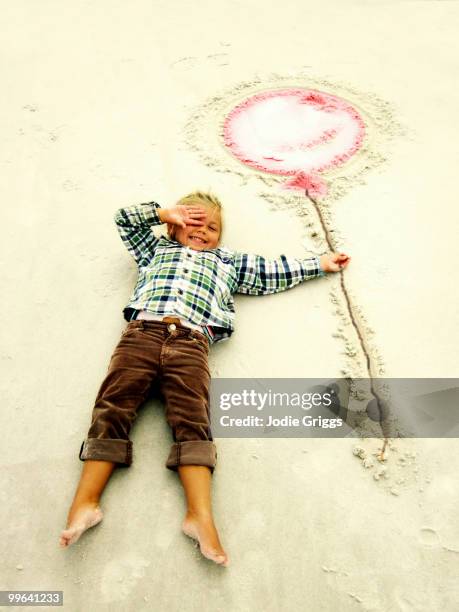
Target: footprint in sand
218,58
429,537
184,63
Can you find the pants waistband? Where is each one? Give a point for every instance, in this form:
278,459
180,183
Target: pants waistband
148,316
171,324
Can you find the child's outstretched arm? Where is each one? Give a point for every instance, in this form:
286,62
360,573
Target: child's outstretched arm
260,276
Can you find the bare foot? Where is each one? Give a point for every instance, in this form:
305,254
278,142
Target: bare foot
80,519
202,529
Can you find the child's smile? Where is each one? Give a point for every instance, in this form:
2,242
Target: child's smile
201,237
197,240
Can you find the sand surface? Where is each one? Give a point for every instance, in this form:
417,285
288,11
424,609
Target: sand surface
108,104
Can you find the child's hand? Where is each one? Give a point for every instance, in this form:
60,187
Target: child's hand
182,215
334,262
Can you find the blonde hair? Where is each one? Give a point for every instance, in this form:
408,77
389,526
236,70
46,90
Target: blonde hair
205,199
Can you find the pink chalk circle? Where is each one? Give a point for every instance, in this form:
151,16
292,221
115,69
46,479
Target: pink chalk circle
294,132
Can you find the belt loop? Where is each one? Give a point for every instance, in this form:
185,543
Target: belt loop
142,324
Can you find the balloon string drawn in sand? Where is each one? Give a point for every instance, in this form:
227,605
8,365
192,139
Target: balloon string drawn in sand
310,183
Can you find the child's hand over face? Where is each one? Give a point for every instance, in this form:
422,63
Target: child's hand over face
334,262
182,215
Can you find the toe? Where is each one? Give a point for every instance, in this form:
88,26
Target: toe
64,540
223,560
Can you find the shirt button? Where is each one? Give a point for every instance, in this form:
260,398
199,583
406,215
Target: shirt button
180,291
185,270
188,254
172,327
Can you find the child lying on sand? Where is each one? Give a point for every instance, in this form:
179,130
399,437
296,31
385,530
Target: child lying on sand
181,305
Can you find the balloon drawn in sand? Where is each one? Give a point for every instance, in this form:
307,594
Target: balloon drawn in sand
294,132
312,141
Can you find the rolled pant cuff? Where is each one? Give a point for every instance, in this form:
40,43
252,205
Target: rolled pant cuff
192,452
105,449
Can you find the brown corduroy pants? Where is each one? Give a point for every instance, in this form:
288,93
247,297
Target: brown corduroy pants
173,357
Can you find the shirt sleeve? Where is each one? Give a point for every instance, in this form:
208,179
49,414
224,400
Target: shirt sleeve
134,226
260,276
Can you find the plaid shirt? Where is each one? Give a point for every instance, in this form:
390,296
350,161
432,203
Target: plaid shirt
198,286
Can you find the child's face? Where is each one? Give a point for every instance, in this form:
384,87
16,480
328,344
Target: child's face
200,237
